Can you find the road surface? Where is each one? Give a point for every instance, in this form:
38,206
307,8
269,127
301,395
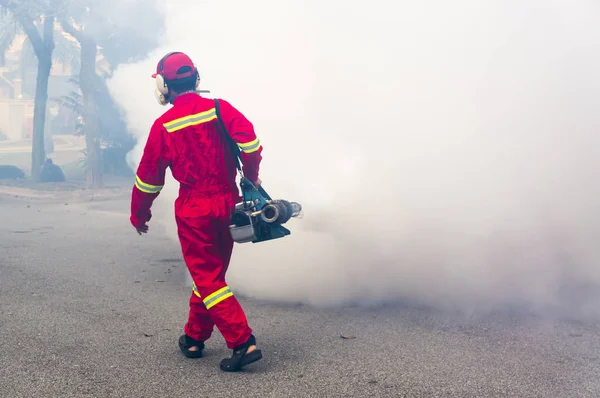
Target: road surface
83,314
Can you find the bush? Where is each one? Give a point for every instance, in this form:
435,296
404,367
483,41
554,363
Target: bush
8,172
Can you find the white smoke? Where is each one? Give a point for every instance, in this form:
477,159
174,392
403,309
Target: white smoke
443,151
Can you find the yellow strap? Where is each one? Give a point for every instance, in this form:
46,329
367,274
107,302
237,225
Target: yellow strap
190,120
147,188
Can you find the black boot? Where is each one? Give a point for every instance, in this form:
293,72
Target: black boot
240,357
186,342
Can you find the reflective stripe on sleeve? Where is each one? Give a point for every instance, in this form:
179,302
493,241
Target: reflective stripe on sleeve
216,297
147,188
191,120
250,147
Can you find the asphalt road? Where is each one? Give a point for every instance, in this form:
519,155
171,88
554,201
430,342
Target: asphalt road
83,314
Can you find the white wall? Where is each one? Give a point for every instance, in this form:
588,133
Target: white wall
14,115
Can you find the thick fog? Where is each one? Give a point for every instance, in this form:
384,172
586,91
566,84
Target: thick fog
444,152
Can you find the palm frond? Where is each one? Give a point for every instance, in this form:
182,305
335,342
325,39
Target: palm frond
66,51
9,29
73,102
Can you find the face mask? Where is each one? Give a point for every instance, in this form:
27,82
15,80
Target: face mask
161,98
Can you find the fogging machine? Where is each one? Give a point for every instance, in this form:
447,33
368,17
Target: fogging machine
257,218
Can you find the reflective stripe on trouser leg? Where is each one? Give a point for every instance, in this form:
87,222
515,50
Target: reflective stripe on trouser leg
195,290
200,324
215,298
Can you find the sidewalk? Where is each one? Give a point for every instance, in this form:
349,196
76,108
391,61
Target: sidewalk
62,143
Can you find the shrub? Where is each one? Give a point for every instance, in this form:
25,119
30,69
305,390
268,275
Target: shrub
8,172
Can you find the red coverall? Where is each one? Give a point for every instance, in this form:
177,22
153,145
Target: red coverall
187,139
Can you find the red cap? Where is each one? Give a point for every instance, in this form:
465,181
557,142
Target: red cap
171,64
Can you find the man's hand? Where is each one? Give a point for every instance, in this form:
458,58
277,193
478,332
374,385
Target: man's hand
142,229
140,225
257,183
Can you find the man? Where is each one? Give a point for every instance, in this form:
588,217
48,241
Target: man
51,172
187,139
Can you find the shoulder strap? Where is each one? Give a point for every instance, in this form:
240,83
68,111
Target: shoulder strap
234,148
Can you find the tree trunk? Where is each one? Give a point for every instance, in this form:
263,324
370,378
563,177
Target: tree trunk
87,76
44,55
38,153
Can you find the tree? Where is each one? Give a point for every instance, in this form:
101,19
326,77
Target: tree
29,14
66,53
113,135
115,25
87,76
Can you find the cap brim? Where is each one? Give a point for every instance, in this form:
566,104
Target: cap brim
154,75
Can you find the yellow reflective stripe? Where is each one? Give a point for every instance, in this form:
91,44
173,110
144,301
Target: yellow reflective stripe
216,297
251,146
191,120
147,188
195,290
